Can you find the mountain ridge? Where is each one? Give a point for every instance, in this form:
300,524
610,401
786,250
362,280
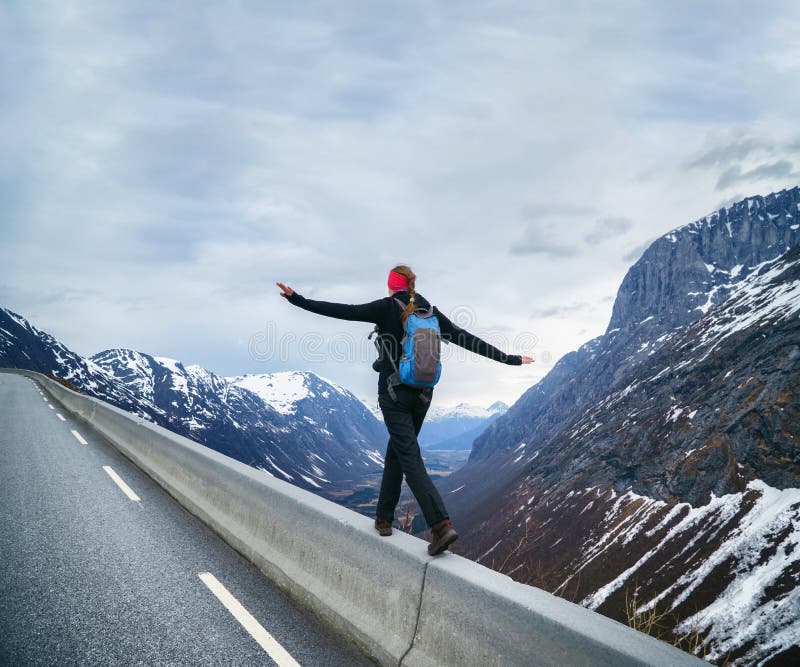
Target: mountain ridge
662,459
635,331
328,445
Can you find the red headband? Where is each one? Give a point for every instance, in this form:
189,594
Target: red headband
397,281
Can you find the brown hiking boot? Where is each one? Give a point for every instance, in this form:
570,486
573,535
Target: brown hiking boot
442,536
383,526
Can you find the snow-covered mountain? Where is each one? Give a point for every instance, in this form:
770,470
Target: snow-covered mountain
675,282
456,427
439,413
658,466
294,425
22,345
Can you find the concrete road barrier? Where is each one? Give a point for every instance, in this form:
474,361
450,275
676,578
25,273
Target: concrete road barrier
398,604
471,615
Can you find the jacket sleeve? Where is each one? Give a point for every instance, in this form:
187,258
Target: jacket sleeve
363,312
463,338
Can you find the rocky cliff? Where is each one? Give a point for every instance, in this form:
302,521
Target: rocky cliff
654,473
676,281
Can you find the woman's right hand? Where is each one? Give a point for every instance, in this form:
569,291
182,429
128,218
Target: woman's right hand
286,291
527,360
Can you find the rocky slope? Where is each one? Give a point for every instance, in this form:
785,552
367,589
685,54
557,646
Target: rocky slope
656,470
676,281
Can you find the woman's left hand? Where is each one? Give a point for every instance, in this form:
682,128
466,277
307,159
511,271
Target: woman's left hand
286,291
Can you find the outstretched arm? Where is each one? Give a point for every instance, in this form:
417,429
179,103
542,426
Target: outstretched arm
454,333
363,312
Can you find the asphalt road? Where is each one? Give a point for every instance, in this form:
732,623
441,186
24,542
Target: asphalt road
89,576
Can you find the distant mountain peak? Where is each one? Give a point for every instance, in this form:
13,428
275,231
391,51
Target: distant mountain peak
464,411
282,390
172,364
754,204
693,267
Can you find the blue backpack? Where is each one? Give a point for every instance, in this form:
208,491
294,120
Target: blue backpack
420,365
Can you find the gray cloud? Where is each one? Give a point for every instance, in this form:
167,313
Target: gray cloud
560,311
183,160
636,251
730,149
726,152
551,223
735,174
541,238
546,209
40,297
533,246
608,228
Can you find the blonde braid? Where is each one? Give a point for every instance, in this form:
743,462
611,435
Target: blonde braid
406,271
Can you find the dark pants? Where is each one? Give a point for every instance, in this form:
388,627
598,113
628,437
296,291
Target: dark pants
403,419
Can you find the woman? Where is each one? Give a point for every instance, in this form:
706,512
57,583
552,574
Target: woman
404,407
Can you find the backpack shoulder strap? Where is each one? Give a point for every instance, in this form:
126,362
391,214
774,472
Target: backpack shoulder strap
417,311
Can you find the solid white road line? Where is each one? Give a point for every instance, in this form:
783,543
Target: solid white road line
79,437
256,630
60,416
121,484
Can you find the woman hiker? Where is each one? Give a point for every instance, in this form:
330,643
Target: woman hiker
404,412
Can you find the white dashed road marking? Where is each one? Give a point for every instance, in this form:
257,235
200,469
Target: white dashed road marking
121,484
79,437
50,405
60,416
256,630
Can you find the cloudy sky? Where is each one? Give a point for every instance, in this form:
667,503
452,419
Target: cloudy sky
165,163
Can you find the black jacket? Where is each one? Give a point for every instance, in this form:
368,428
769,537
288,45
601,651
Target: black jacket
385,314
